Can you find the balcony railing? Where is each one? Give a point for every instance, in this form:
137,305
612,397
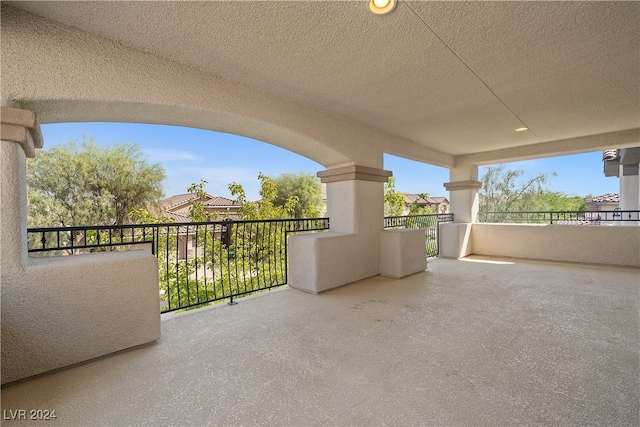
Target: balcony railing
203,262
429,222
199,262
561,217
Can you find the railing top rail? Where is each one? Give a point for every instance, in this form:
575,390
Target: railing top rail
170,224
575,217
417,216
580,211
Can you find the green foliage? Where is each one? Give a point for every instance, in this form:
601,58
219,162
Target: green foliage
146,216
198,213
251,259
510,191
393,200
305,188
507,190
266,208
84,184
558,201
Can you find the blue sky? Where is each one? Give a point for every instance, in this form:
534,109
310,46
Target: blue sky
189,155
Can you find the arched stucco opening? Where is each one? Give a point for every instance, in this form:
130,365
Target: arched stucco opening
69,111
72,75
187,156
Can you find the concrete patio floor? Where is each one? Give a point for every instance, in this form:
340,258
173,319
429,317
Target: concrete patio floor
481,341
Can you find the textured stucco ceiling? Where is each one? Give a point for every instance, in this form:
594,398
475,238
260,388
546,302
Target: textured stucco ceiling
456,77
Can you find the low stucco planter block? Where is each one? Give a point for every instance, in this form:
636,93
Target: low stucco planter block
455,240
319,262
402,252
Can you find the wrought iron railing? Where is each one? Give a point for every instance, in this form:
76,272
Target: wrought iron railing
199,262
429,222
561,217
57,241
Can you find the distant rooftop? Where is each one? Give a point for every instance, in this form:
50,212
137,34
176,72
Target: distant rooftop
607,198
220,201
209,201
410,198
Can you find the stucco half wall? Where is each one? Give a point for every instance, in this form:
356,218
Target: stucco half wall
612,245
59,311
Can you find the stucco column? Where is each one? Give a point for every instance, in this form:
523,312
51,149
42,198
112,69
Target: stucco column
630,193
20,136
355,198
463,191
350,251
455,238
59,311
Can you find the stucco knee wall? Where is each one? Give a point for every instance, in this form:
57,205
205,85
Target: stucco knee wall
455,239
402,252
318,262
64,310
574,243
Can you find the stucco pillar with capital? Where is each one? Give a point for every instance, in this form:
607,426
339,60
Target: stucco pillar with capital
630,193
59,311
350,251
463,190
20,136
455,238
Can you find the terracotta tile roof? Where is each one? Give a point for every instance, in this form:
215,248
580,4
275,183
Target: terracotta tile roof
607,198
437,199
179,199
183,199
611,154
178,216
410,198
217,201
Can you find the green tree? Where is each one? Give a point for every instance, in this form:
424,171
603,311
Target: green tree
84,184
558,201
252,258
393,200
305,187
198,213
266,208
416,209
508,190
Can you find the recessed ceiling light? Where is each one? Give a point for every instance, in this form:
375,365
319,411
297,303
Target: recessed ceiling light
381,7
522,129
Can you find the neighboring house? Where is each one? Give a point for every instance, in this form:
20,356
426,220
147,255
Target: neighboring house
440,205
606,202
177,208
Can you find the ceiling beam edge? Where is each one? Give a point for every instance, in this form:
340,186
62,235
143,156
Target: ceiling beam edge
583,144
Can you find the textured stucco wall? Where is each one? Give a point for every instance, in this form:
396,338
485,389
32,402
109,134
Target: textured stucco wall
575,243
455,240
630,197
318,262
60,311
402,252
64,310
463,202
351,250
13,205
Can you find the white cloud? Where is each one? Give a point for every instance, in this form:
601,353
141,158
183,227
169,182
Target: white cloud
168,155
